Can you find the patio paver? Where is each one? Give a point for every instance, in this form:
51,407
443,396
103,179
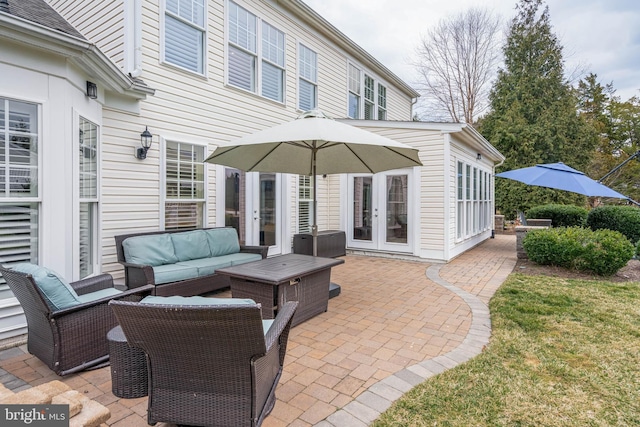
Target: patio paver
395,324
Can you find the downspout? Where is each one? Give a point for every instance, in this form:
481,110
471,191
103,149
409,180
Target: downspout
133,31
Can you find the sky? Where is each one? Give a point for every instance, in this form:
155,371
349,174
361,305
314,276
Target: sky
598,36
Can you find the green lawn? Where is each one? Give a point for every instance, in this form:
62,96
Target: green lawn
562,353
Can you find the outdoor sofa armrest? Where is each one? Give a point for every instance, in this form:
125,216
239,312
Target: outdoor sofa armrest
138,275
260,250
279,330
129,295
92,284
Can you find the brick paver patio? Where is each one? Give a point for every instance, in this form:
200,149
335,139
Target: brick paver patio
395,324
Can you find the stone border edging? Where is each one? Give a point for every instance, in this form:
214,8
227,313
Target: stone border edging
367,407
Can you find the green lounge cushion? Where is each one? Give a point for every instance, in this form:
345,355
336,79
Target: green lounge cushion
173,273
195,300
266,324
57,292
190,245
93,296
153,250
243,258
207,266
223,241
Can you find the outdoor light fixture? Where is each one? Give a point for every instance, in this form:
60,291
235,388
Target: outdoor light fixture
479,156
92,90
145,141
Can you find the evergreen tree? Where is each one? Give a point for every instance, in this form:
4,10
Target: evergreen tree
534,118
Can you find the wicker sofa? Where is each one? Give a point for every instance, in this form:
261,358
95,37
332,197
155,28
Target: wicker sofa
183,262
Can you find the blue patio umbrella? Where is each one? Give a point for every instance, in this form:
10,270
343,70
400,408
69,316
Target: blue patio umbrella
561,177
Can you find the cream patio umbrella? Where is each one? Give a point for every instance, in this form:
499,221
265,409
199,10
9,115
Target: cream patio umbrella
312,145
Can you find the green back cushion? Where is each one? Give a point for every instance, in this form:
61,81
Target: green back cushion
190,245
178,300
223,241
153,249
57,292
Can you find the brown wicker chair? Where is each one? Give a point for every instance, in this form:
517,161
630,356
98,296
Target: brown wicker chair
70,339
208,365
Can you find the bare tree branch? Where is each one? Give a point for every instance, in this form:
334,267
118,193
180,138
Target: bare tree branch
456,61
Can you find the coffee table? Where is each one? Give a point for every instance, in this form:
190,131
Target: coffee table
292,277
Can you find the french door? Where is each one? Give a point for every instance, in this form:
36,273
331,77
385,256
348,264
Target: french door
379,211
253,206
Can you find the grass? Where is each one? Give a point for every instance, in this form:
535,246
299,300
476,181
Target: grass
563,352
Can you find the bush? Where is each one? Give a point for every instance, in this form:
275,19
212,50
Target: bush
560,215
625,219
602,251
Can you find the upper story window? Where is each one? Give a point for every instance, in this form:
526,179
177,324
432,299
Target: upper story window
308,78
367,97
184,34
256,48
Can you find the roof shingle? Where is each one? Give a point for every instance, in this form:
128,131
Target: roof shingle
40,12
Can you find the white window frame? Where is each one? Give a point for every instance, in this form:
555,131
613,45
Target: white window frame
93,201
30,203
202,71
365,88
473,200
164,199
307,59
260,58
305,200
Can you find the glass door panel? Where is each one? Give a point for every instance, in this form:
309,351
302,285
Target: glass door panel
268,209
362,208
396,231
235,201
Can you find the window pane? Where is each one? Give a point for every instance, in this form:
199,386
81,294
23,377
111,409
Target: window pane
272,44
354,79
87,233
397,208
305,204
242,69
18,149
354,106
308,64
369,88
183,45
308,95
18,233
88,163
242,28
183,215
369,110
272,82
184,182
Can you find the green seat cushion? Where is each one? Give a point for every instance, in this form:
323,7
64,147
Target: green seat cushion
153,250
195,300
92,296
173,273
190,245
266,324
207,266
56,291
223,241
242,258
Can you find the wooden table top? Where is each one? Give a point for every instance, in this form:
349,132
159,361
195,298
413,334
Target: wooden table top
280,269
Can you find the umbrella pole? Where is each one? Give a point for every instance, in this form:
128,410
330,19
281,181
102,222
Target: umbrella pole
314,227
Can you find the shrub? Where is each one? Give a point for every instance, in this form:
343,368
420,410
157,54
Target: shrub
560,215
602,251
625,219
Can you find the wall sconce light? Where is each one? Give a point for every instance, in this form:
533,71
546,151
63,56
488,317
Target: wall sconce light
92,90
145,141
479,156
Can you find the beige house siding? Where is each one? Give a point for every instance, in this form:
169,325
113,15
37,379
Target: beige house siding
100,22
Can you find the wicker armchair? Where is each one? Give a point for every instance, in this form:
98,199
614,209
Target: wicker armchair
71,339
208,365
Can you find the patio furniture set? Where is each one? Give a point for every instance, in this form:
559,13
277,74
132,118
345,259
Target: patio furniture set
201,360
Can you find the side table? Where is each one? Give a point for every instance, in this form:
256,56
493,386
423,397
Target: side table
129,377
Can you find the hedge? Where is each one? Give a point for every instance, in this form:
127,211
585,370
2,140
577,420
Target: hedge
602,252
560,215
625,219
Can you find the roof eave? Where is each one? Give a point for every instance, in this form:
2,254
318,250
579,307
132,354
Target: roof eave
80,52
318,23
